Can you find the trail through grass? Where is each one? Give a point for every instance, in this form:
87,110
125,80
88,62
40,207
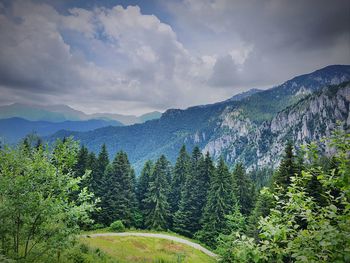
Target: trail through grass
146,249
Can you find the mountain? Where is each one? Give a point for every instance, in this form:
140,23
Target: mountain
60,113
243,95
252,129
14,129
55,113
150,116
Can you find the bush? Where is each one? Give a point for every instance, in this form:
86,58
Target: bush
97,226
117,226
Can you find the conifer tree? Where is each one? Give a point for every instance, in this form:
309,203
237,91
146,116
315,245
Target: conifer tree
82,161
98,184
92,166
119,200
287,168
193,197
99,170
156,202
243,189
181,171
102,161
220,203
206,171
143,184
80,169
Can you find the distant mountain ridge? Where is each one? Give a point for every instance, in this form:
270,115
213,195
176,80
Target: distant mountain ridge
14,129
60,113
244,130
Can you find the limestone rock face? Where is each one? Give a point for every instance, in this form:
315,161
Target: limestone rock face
313,117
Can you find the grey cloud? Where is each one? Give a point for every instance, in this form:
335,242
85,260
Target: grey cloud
288,37
119,60
224,72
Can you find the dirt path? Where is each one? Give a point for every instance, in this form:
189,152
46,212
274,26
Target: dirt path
163,236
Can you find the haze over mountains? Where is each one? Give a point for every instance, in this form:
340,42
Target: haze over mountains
59,113
252,128
18,120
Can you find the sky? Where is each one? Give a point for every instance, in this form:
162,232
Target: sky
133,57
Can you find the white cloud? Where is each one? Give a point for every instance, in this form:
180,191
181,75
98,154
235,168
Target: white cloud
122,56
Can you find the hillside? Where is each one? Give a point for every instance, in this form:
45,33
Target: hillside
245,129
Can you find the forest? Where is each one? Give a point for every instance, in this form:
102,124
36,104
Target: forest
299,212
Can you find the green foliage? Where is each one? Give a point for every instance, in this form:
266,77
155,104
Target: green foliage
119,199
265,202
157,211
98,179
117,226
298,228
181,172
143,186
287,168
193,197
37,216
243,189
220,203
81,253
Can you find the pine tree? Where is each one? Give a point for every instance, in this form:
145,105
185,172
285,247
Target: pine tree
287,168
181,172
99,170
119,200
243,189
102,161
193,197
143,184
80,170
220,203
82,161
156,202
98,184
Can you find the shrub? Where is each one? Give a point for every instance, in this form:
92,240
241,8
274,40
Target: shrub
117,226
97,226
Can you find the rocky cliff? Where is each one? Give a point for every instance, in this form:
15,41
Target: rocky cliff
311,118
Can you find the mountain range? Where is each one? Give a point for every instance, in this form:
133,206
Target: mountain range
18,120
252,128
14,129
60,113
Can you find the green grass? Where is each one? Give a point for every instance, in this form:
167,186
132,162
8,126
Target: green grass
146,249
169,233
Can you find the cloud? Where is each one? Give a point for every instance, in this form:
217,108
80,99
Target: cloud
110,55
118,59
284,37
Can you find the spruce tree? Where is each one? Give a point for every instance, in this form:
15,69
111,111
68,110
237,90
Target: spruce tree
287,168
98,171
181,172
156,206
80,169
220,203
98,184
119,200
243,189
82,161
193,197
92,166
143,184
